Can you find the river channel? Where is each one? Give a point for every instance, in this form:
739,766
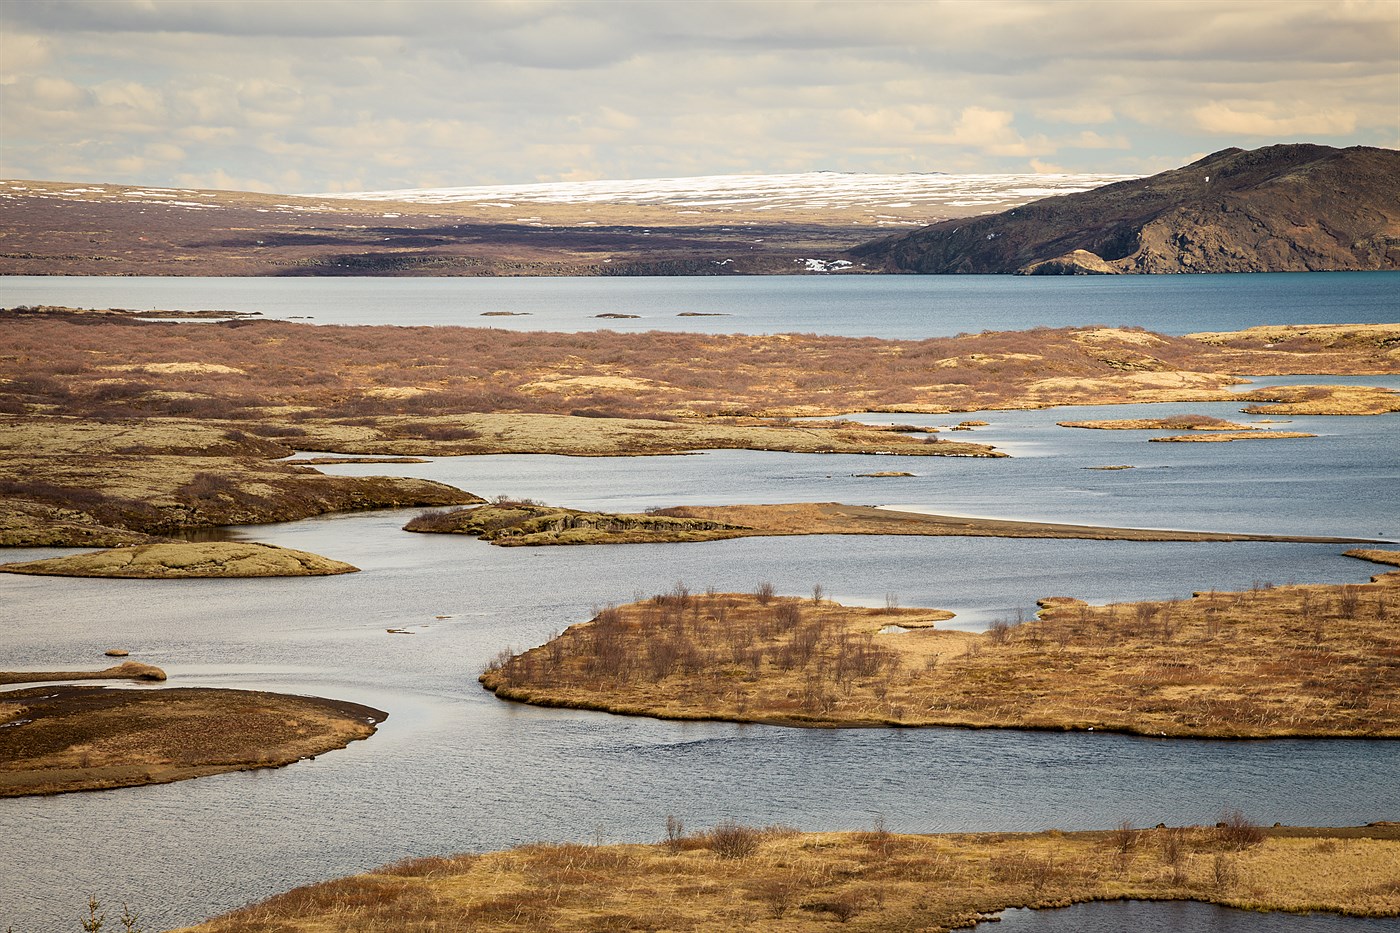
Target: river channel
453,769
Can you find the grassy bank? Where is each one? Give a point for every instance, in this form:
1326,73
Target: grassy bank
735,877
1310,660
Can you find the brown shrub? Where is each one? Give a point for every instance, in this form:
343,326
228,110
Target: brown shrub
733,840
1235,831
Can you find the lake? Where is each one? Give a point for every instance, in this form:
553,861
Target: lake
454,769
904,307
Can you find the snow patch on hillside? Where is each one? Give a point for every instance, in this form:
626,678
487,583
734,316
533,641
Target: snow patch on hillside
811,190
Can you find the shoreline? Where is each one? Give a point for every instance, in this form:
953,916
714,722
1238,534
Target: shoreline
740,877
531,524
1296,661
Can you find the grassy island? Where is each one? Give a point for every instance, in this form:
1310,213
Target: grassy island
1174,423
1306,660
186,560
59,739
1226,436
513,523
127,670
779,880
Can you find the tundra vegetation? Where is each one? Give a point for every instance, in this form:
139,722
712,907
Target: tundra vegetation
1299,660
66,738
512,523
185,560
778,879
117,430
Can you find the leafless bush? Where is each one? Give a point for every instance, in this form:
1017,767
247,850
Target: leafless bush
675,832
1173,842
779,894
1124,838
1235,831
733,840
879,839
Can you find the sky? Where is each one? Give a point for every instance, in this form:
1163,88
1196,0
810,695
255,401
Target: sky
295,96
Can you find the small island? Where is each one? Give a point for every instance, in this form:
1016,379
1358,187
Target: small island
1300,660
1174,423
736,877
69,738
1227,436
127,670
515,523
186,560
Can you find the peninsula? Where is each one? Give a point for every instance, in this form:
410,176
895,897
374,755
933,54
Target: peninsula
1299,660
512,523
736,877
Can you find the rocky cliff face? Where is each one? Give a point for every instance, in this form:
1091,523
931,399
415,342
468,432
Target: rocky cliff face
1288,208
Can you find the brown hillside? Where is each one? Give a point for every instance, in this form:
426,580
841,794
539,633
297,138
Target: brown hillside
1287,208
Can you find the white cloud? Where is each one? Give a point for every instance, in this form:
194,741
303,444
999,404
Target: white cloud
1266,120
405,93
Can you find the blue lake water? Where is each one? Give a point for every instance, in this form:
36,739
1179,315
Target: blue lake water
454,769
910,307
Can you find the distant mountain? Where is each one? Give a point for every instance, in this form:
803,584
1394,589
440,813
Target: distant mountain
715,225
1287,208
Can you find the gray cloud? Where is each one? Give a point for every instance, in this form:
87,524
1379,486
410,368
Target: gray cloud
332,95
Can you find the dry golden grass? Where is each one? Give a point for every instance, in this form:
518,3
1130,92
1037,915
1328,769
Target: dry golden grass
1174,423
1322,400
87,483
1312,660
115,429
834,518
113,365
183,560
61,739
127,670
527,523
1227,436
776,880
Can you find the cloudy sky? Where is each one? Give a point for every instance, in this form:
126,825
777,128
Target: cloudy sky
301,96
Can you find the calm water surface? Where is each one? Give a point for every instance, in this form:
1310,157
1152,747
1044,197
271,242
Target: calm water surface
1173,917
453,769
911,307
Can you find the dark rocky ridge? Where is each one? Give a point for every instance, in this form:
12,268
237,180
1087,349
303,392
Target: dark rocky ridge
1286,208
